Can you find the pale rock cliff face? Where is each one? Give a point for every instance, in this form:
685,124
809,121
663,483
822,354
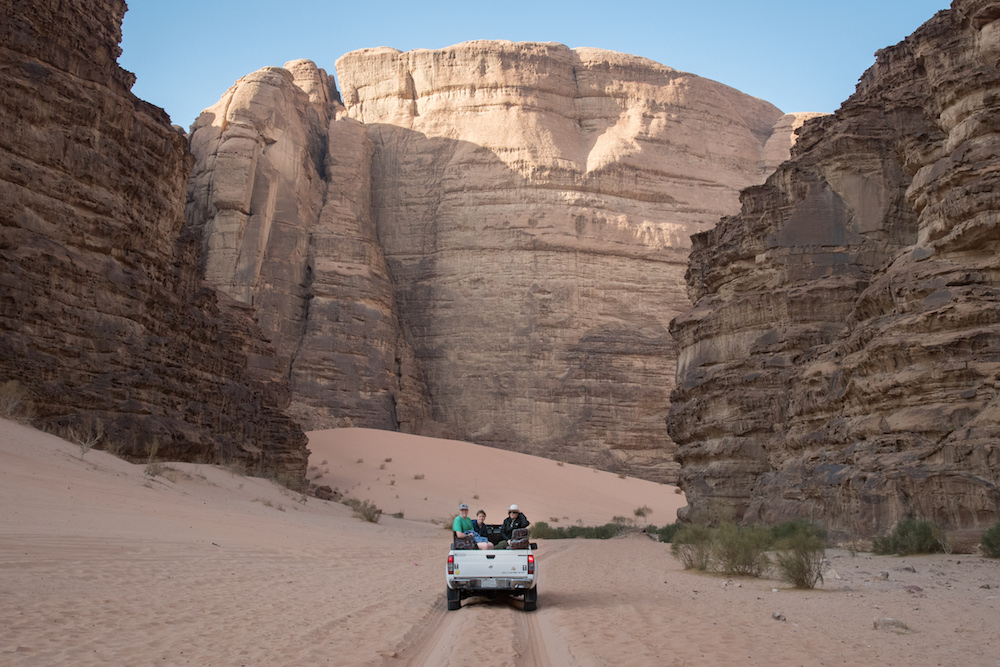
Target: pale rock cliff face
104,317
840,362
534,204
280,194
490,243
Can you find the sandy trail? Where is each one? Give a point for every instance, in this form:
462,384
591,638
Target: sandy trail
101,565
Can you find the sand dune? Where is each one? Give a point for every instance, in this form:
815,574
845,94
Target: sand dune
103,565
427,479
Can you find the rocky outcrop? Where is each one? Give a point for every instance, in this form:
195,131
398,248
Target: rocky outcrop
281,195
840,361
103,312
502,242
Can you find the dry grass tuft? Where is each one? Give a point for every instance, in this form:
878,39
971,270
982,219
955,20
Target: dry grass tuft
85,436
14,402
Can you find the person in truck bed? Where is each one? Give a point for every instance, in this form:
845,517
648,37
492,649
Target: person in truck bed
479,525
515,519
463,525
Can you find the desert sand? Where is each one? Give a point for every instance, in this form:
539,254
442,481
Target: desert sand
103,564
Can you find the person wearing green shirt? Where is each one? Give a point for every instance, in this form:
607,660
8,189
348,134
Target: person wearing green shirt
462,523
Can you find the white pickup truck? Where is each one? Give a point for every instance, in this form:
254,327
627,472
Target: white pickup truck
491,573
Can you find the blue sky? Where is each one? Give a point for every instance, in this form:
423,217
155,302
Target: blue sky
800,55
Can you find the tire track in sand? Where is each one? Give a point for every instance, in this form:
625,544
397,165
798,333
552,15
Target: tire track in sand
540,643
429,641
441,637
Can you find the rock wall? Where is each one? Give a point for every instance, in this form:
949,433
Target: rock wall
841,360
281,193
103,313
502,243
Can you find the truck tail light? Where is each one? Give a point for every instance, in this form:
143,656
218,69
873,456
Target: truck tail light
531,563
451,564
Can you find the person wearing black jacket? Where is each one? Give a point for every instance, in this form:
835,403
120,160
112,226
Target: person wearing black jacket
515,519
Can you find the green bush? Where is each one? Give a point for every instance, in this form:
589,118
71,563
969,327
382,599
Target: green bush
910,536
692,546
797,527
799,559
543,531
990,542
741,549
665,534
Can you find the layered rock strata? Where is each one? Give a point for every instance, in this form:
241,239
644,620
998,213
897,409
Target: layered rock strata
841,360
280,194
502,242
104,316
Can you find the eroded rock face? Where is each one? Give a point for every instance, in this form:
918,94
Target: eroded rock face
840,362
534,206
281,194
103,313
500,245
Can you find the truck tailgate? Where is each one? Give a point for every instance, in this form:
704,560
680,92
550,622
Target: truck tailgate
486,564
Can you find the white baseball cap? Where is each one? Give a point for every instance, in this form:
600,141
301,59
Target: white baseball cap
513,508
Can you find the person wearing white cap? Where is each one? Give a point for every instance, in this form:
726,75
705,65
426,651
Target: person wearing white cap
515,519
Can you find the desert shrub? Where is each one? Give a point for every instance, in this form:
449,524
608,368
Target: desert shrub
543,531
666,533
117,448
86,435
990,542
799,559
364,509
797,527
642,512
154,469
741,549
14,403
291,482
910,536
692,546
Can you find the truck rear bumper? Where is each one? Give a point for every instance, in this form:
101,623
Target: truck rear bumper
498,584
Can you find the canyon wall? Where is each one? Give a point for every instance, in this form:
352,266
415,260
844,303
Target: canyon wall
841,360
280,194
105,320
502,242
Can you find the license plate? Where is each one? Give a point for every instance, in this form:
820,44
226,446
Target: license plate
489,583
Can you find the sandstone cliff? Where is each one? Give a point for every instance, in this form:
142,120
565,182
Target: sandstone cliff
280,194
502,242
103,313
840,362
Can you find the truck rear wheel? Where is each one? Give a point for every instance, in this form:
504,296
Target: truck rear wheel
454,598
531,599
